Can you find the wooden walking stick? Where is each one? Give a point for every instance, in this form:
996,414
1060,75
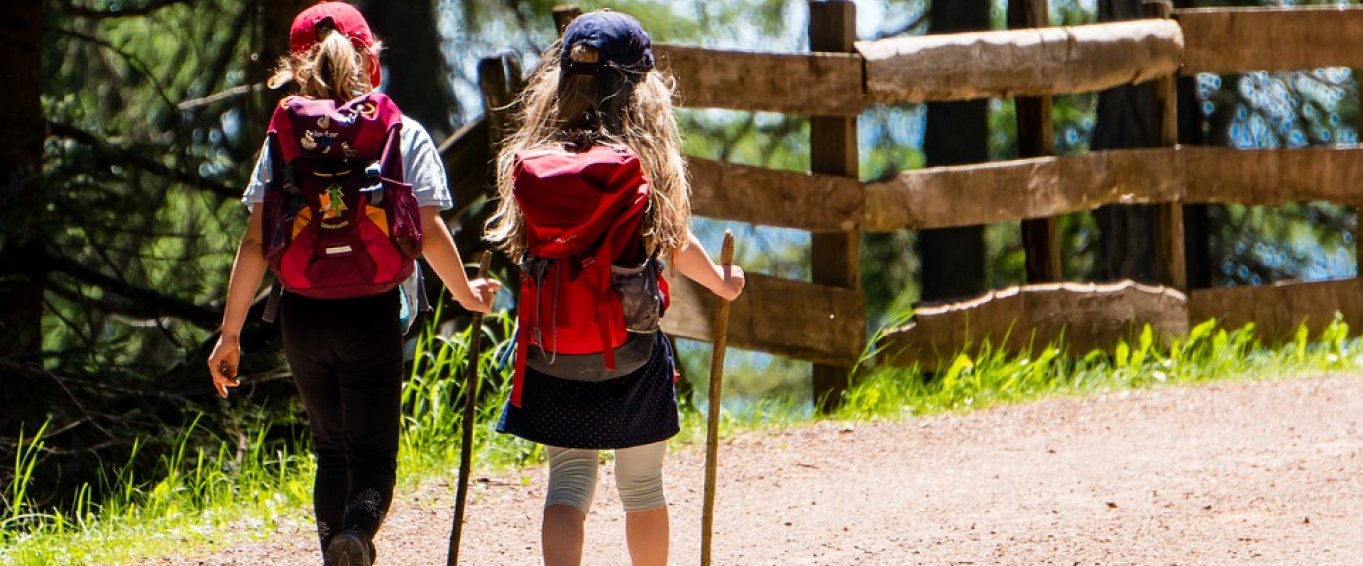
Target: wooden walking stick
721,339
470,408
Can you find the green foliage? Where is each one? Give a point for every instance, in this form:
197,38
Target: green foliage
201,490
434,395
985,376
142,182
16,501
197,491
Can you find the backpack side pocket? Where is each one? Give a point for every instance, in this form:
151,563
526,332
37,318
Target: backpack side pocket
404,217
640,295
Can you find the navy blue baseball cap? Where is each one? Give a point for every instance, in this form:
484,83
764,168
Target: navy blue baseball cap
618,38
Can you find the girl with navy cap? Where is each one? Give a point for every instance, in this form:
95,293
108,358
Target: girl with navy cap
594,178
345,352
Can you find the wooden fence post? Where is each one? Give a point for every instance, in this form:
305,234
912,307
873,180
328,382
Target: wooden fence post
1036,138
835,257
1173,267
499,78
564,14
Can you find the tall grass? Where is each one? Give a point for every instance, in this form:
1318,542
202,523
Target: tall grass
985,376
205,493
197,492
434,396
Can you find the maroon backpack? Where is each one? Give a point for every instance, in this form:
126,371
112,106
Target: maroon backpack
587,284
338,219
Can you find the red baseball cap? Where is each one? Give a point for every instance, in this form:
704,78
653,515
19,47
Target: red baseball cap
345,19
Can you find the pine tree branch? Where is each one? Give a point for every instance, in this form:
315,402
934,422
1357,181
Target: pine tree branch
143,302
229,94
123,156
71,8
133,60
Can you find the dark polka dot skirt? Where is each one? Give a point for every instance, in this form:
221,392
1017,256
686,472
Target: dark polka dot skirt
639,408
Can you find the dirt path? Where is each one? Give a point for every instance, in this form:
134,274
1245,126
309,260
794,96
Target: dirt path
1242,473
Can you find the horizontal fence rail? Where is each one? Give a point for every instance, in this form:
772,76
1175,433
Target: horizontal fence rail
1233,40
1086,315
1026,62
1005,191
789,199
819,323
1277,310
1272,177
1009,191
827,84
1094,316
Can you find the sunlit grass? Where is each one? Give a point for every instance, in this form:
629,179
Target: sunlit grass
206,496
986,376
197,494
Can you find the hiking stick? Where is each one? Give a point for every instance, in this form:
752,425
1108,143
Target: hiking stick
721,337
470,408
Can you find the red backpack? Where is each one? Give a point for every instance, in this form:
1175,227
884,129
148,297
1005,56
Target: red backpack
338,219
587,282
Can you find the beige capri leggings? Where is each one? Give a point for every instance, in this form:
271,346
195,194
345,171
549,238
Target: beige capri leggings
638,477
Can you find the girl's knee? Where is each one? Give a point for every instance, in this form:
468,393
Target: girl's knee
639,476
572,478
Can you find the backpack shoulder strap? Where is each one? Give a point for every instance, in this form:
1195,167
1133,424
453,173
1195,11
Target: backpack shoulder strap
282,132
281,169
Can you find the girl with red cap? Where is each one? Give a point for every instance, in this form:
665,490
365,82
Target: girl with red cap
345,353
593,186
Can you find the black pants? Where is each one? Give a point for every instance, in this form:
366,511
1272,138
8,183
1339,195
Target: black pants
346,357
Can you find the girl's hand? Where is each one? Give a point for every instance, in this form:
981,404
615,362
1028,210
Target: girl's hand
731,282
223,363
479,296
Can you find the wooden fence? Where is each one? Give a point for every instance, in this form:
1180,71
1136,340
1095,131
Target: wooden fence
824,321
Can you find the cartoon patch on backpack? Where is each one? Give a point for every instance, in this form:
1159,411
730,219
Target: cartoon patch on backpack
332,205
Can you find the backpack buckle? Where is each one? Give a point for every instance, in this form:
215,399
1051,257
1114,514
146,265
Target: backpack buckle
374,191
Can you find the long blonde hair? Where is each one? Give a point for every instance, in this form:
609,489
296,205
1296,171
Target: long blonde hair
332,68
556,109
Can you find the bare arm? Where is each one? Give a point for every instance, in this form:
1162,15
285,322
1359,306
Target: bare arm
437,246
247,272
692,261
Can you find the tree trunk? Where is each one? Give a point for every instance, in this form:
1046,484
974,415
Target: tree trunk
1126,119
1196,221
956,133
23,128
416,73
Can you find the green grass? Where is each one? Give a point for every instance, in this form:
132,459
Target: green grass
210,495
985,376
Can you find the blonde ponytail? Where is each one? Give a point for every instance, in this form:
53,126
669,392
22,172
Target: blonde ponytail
331,69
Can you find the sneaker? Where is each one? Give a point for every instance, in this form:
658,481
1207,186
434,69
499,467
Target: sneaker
349,549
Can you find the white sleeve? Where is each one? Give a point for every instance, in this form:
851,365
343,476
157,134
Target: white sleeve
423,167
260,178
